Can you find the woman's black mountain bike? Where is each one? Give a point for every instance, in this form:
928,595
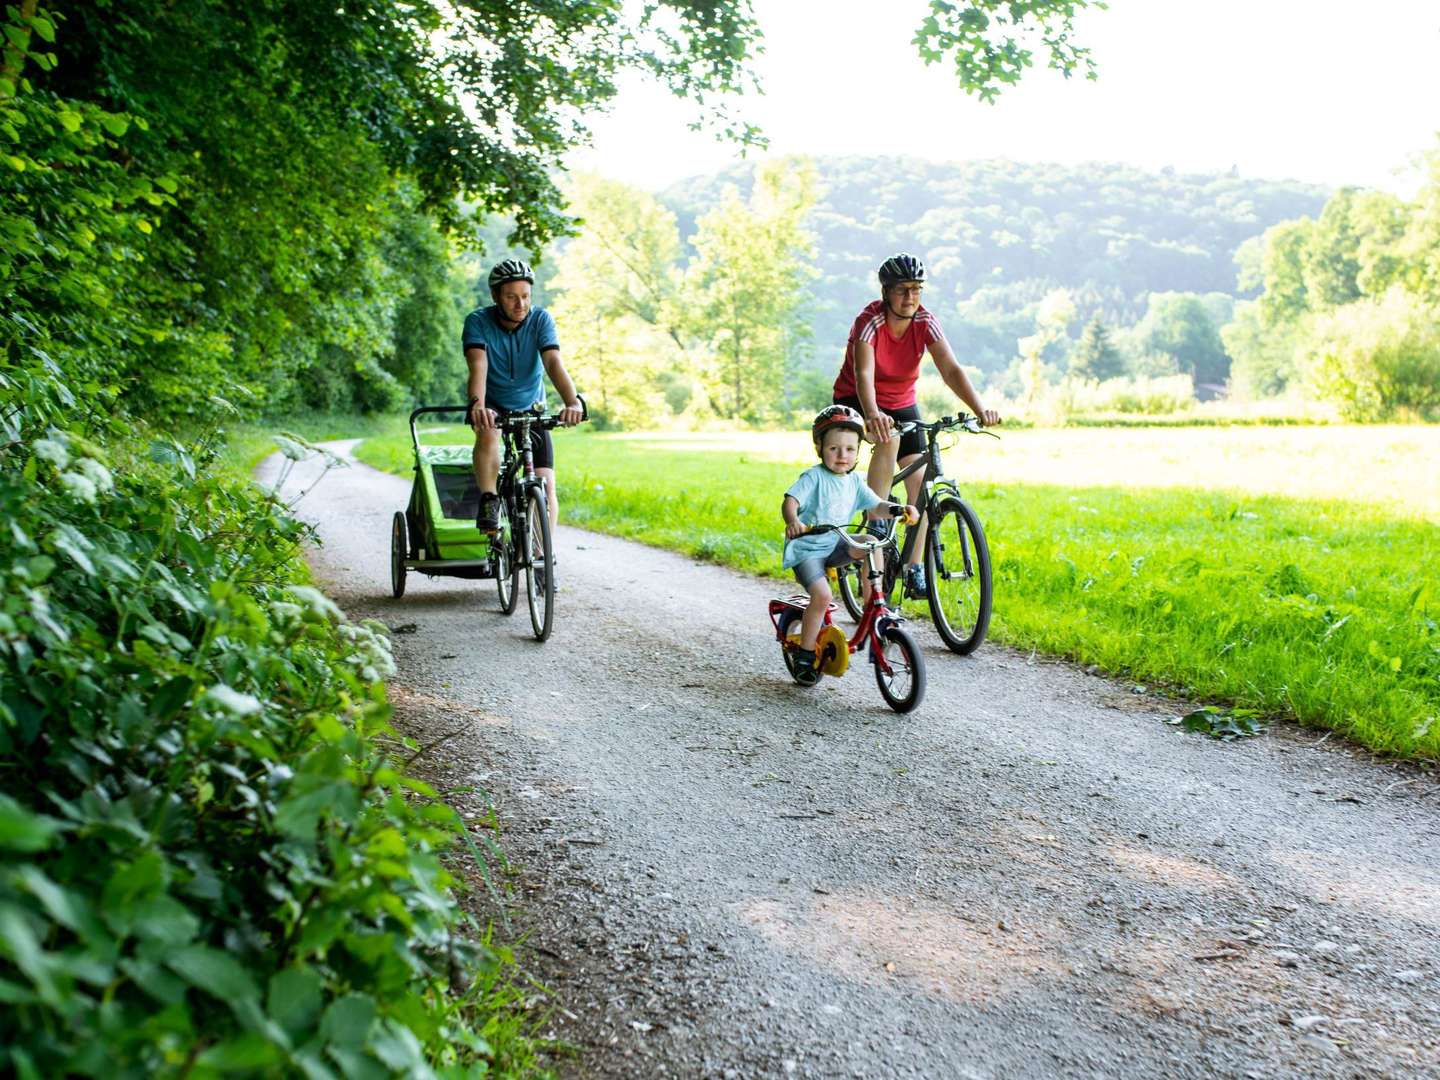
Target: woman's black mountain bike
956,558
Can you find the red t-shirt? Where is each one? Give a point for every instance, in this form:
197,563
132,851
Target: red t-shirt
897,363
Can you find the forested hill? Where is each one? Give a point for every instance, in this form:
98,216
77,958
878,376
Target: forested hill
997,235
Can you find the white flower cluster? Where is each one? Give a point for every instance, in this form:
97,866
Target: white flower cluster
285,614
232,700
88,480
368,641
316,604
370,654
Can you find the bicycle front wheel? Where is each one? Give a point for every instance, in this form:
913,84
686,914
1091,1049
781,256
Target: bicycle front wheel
539,576
957,576
903,687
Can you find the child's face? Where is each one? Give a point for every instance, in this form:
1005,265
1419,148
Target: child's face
839,449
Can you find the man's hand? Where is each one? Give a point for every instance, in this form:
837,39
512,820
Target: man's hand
795,528
912,515
881,427
570,415
989,417
481,418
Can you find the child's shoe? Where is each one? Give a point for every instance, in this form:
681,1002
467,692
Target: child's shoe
806,673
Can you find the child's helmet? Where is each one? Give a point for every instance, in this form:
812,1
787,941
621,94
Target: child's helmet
901,267
836,416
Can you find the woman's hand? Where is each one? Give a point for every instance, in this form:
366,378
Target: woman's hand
881,427
795,528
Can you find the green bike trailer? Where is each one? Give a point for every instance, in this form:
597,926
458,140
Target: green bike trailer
436,533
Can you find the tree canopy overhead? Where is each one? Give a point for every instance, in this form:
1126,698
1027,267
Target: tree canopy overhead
300,165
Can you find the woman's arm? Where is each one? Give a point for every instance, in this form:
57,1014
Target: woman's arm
956,379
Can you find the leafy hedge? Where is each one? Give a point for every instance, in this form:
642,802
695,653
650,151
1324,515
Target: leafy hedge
210,861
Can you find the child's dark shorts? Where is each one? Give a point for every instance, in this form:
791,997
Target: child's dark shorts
812,570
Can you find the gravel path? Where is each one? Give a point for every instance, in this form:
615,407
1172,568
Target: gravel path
724,875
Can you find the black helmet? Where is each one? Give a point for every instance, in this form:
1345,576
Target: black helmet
510,270
836,416
901,267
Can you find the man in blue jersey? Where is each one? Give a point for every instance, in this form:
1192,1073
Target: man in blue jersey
509,348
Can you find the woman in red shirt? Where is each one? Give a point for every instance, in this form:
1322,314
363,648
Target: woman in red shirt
882,365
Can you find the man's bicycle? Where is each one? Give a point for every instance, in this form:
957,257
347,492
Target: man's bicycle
523,546
956,557
899,665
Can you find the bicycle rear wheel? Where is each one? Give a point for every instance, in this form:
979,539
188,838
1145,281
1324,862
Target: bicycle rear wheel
957,576
503,561
539,576
504,548
852,588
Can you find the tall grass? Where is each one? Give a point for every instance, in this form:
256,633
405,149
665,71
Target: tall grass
1322,610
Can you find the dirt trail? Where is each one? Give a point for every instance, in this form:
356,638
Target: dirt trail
724,875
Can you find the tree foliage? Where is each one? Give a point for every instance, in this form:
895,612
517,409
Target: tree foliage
999,236
1095,357
620,300
751,264
992,42
1182,328
1348,298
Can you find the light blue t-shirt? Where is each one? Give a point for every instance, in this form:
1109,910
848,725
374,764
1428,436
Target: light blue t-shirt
825,498
515,376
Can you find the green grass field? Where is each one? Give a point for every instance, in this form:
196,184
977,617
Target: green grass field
1294,571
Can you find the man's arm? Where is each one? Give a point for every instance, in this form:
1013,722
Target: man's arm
956,379
881,424
478,361
571,413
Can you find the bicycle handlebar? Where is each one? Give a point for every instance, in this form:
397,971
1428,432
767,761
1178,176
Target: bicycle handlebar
963,421
533,416
859,540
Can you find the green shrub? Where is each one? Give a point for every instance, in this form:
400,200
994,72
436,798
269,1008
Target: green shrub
1379,359
210,861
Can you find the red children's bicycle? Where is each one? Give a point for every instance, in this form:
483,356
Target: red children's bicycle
899,667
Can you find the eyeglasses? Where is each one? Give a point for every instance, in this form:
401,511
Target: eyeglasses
907,290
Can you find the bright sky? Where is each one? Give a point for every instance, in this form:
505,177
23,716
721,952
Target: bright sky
1325,91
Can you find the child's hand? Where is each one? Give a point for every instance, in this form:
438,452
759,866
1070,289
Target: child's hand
795,528
912,516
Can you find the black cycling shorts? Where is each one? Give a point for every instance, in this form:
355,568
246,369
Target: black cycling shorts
912,442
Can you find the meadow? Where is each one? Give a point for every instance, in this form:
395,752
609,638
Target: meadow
1288,570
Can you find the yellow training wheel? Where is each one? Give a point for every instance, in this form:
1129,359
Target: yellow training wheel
832,651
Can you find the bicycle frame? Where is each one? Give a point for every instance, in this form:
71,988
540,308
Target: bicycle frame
877,615
934,482
517,476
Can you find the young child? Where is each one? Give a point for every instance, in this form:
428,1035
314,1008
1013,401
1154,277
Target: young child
830,493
